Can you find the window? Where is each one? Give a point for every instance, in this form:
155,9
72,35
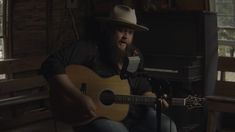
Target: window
3,25
226,26
225,10
1,29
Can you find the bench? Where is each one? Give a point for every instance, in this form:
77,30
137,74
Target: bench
224,98
24,94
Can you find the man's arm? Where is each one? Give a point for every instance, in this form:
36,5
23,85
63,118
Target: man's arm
53,69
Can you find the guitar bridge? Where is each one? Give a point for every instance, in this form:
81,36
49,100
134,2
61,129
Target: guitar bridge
83,88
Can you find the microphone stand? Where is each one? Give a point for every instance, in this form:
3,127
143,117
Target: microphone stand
158,111
158,90
159,93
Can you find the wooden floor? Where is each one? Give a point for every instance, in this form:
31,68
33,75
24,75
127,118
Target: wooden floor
43,126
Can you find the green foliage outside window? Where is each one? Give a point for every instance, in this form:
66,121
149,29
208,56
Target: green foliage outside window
226,26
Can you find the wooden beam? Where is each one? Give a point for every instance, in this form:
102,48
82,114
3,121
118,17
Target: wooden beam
14,85
21,64
23,99
224,88
226,64
25,119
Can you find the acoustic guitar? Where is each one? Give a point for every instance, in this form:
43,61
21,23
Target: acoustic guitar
111,96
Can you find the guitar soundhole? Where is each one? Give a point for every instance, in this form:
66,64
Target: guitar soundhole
107,97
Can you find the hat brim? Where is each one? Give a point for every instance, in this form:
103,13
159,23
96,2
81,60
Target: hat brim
136,27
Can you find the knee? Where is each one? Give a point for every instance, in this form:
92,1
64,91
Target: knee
168,125
109,126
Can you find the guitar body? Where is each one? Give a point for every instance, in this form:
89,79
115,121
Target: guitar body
93,86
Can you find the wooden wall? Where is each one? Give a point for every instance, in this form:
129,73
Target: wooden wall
38,26
192,4
29,27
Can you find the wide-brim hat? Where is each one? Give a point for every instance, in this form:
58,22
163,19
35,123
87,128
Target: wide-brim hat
123,15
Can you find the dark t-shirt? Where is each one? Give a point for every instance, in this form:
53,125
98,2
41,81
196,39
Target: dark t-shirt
88,54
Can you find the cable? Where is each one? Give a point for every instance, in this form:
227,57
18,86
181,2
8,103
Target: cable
74,24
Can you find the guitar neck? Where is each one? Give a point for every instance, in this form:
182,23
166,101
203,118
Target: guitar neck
137,99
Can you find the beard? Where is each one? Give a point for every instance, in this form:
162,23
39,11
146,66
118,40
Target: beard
118,56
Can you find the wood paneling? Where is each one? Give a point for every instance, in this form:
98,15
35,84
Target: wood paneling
192,5
226,64
29,27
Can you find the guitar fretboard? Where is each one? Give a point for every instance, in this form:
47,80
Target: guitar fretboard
178,101
136,99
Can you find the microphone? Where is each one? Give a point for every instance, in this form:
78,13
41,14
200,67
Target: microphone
130,63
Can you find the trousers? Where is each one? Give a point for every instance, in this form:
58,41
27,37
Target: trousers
147,124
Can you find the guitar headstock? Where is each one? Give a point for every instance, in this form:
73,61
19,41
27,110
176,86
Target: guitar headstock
193,102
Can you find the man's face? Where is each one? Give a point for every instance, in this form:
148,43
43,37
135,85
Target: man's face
123,37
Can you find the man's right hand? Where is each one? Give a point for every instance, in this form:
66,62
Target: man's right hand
63,82
87,105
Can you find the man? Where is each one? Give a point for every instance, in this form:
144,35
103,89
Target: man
106,58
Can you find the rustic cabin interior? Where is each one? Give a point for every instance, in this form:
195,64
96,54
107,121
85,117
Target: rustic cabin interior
189,50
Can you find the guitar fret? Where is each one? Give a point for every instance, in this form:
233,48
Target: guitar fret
134,99
178,101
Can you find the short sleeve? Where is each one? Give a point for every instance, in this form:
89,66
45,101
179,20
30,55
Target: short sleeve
76,53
